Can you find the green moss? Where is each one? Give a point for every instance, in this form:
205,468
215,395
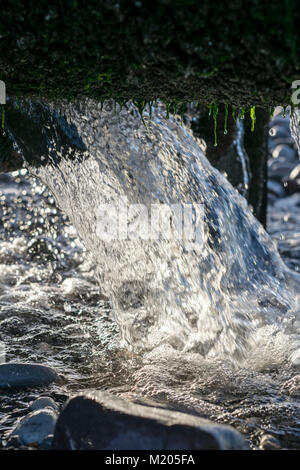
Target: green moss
284,111
173,50
233,113
253,118
242,113
141,104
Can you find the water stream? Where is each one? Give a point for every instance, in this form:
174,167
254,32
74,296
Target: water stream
208,326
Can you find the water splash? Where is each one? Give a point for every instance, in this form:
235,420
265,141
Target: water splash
225,119
166,296
295,127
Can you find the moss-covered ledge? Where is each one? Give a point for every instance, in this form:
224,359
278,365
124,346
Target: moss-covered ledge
240,52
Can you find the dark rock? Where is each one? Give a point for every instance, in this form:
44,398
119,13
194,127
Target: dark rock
35,428
43,402
46,444
14,375
99,420
14,442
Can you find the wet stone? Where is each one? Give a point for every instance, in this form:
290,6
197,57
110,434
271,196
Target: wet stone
14,375
99,420
35,428
43,402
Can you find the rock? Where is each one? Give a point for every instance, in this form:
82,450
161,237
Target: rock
46,444
268,442
14,442
36,427
43,402
26,375
98,420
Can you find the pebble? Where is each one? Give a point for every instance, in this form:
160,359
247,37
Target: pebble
35,428
15,375
43,402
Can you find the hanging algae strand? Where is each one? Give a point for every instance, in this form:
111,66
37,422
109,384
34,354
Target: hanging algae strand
233,113
253,118
140,106
225,119
284,111
215,112
242,114
272,112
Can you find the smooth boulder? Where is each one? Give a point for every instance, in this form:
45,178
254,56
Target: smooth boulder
14,375
101,421
35,428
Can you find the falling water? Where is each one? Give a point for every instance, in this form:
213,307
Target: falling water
212,299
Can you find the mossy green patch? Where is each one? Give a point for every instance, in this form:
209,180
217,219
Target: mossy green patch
174,50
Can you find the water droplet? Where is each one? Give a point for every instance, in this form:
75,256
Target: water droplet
272,131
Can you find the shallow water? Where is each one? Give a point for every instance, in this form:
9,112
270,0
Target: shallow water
237,369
